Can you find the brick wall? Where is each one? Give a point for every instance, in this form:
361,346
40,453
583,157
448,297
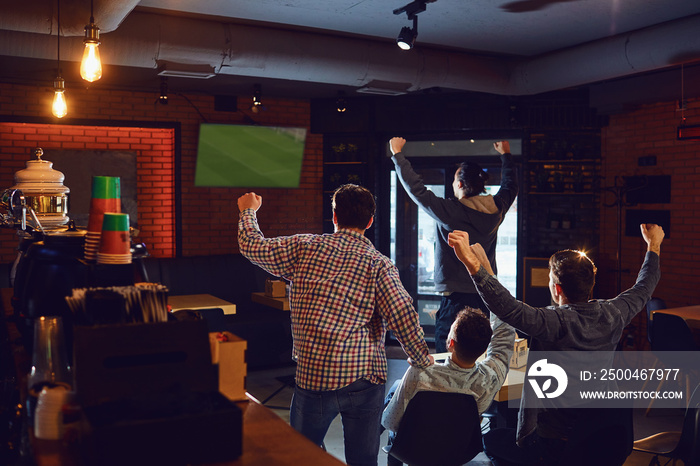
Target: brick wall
155,170
209,215
651,131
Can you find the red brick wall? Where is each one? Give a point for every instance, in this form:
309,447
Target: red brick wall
209,215
155,168
651,130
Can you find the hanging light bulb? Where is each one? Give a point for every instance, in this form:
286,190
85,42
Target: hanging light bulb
59,107
91,66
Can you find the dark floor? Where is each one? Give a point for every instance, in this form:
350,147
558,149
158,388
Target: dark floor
261,384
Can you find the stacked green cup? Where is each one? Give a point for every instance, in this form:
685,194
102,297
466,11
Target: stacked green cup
106,197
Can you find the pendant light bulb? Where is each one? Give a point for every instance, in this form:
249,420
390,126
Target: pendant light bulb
59,107
91,66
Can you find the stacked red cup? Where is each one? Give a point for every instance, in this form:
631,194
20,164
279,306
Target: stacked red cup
115,242
106,197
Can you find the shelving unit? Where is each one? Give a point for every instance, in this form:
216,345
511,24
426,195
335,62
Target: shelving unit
345,160
562,187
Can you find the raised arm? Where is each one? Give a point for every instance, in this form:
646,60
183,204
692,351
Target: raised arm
653,235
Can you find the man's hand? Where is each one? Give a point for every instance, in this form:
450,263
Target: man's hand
430,356
249,201
502,147
459,240
396,145
653,235
478,249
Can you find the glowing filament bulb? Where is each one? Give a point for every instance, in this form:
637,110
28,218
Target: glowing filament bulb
59,107
91,66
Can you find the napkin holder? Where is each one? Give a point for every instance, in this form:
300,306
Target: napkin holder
520,352
228,355
149,396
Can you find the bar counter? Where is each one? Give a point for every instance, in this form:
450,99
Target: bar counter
267,438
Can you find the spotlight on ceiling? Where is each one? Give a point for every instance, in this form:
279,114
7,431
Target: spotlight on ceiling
340,103
407,36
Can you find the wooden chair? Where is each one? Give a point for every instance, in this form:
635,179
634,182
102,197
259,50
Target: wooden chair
683,445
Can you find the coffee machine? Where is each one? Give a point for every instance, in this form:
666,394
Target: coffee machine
50,262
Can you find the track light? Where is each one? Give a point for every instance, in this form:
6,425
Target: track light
163,97
340,103
91,66
257,99
407,36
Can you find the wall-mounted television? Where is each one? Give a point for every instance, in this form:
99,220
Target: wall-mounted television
249,156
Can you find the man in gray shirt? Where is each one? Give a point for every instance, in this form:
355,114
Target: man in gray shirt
461,372
575,323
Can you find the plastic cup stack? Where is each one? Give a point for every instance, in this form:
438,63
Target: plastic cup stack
115,242
48,420
106,197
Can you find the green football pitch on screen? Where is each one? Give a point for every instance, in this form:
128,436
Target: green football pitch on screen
249,156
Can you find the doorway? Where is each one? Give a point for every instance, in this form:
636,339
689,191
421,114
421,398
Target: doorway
413,233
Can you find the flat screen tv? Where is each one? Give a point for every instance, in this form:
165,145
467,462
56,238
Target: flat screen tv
249,156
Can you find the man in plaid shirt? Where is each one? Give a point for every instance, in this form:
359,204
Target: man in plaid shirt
344,295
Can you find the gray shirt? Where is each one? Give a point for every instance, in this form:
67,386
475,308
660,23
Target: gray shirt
451,214
481,381
593,326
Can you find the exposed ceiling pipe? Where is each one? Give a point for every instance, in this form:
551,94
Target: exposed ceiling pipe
656,47
40,16
144,39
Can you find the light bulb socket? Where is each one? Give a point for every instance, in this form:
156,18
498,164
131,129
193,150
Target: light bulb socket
92,34
59,84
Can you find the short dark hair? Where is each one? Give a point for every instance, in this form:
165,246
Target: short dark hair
575,273
353,206
472,334
473,178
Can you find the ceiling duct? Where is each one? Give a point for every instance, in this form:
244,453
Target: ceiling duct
182,70
145,39
40,16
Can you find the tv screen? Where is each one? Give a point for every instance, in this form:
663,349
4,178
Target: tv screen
249,156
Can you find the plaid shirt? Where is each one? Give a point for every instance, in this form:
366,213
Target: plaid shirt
344,295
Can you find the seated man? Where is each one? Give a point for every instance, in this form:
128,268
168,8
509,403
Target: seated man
575,323
470,335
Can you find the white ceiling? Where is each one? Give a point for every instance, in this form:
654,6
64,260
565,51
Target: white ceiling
525,27
313,48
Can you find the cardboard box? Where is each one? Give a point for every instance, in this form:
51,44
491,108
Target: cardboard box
520,350
228,352
275,288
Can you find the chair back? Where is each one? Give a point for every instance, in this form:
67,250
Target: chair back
671,333
438,428
688,448
654,304
603,437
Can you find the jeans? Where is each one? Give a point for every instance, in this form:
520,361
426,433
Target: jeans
360,406
450,306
